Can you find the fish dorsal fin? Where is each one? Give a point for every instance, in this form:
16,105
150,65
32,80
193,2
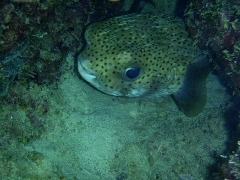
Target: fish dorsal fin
192,97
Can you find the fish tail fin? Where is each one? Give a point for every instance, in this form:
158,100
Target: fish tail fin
192,97
138,5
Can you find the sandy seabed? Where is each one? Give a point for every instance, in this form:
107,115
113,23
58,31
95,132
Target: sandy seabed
89,135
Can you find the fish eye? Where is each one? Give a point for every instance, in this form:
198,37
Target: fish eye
132,73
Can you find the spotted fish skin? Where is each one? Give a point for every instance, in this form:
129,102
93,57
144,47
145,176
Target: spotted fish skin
137,55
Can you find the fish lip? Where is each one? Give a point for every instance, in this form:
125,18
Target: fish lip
85,73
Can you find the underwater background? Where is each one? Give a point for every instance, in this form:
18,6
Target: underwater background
53,125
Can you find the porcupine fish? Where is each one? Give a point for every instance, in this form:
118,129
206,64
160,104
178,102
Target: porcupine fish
145,55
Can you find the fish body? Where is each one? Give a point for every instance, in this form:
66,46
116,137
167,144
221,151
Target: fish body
137,55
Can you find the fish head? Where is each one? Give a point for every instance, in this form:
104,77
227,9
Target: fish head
115,74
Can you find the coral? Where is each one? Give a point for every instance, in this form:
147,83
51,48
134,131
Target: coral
35,38
215,27
10,64
23,119
231,170
52,28
25,124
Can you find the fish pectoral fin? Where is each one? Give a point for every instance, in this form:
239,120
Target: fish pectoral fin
192,97
171,77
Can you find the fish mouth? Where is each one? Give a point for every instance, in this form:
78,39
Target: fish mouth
84,72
